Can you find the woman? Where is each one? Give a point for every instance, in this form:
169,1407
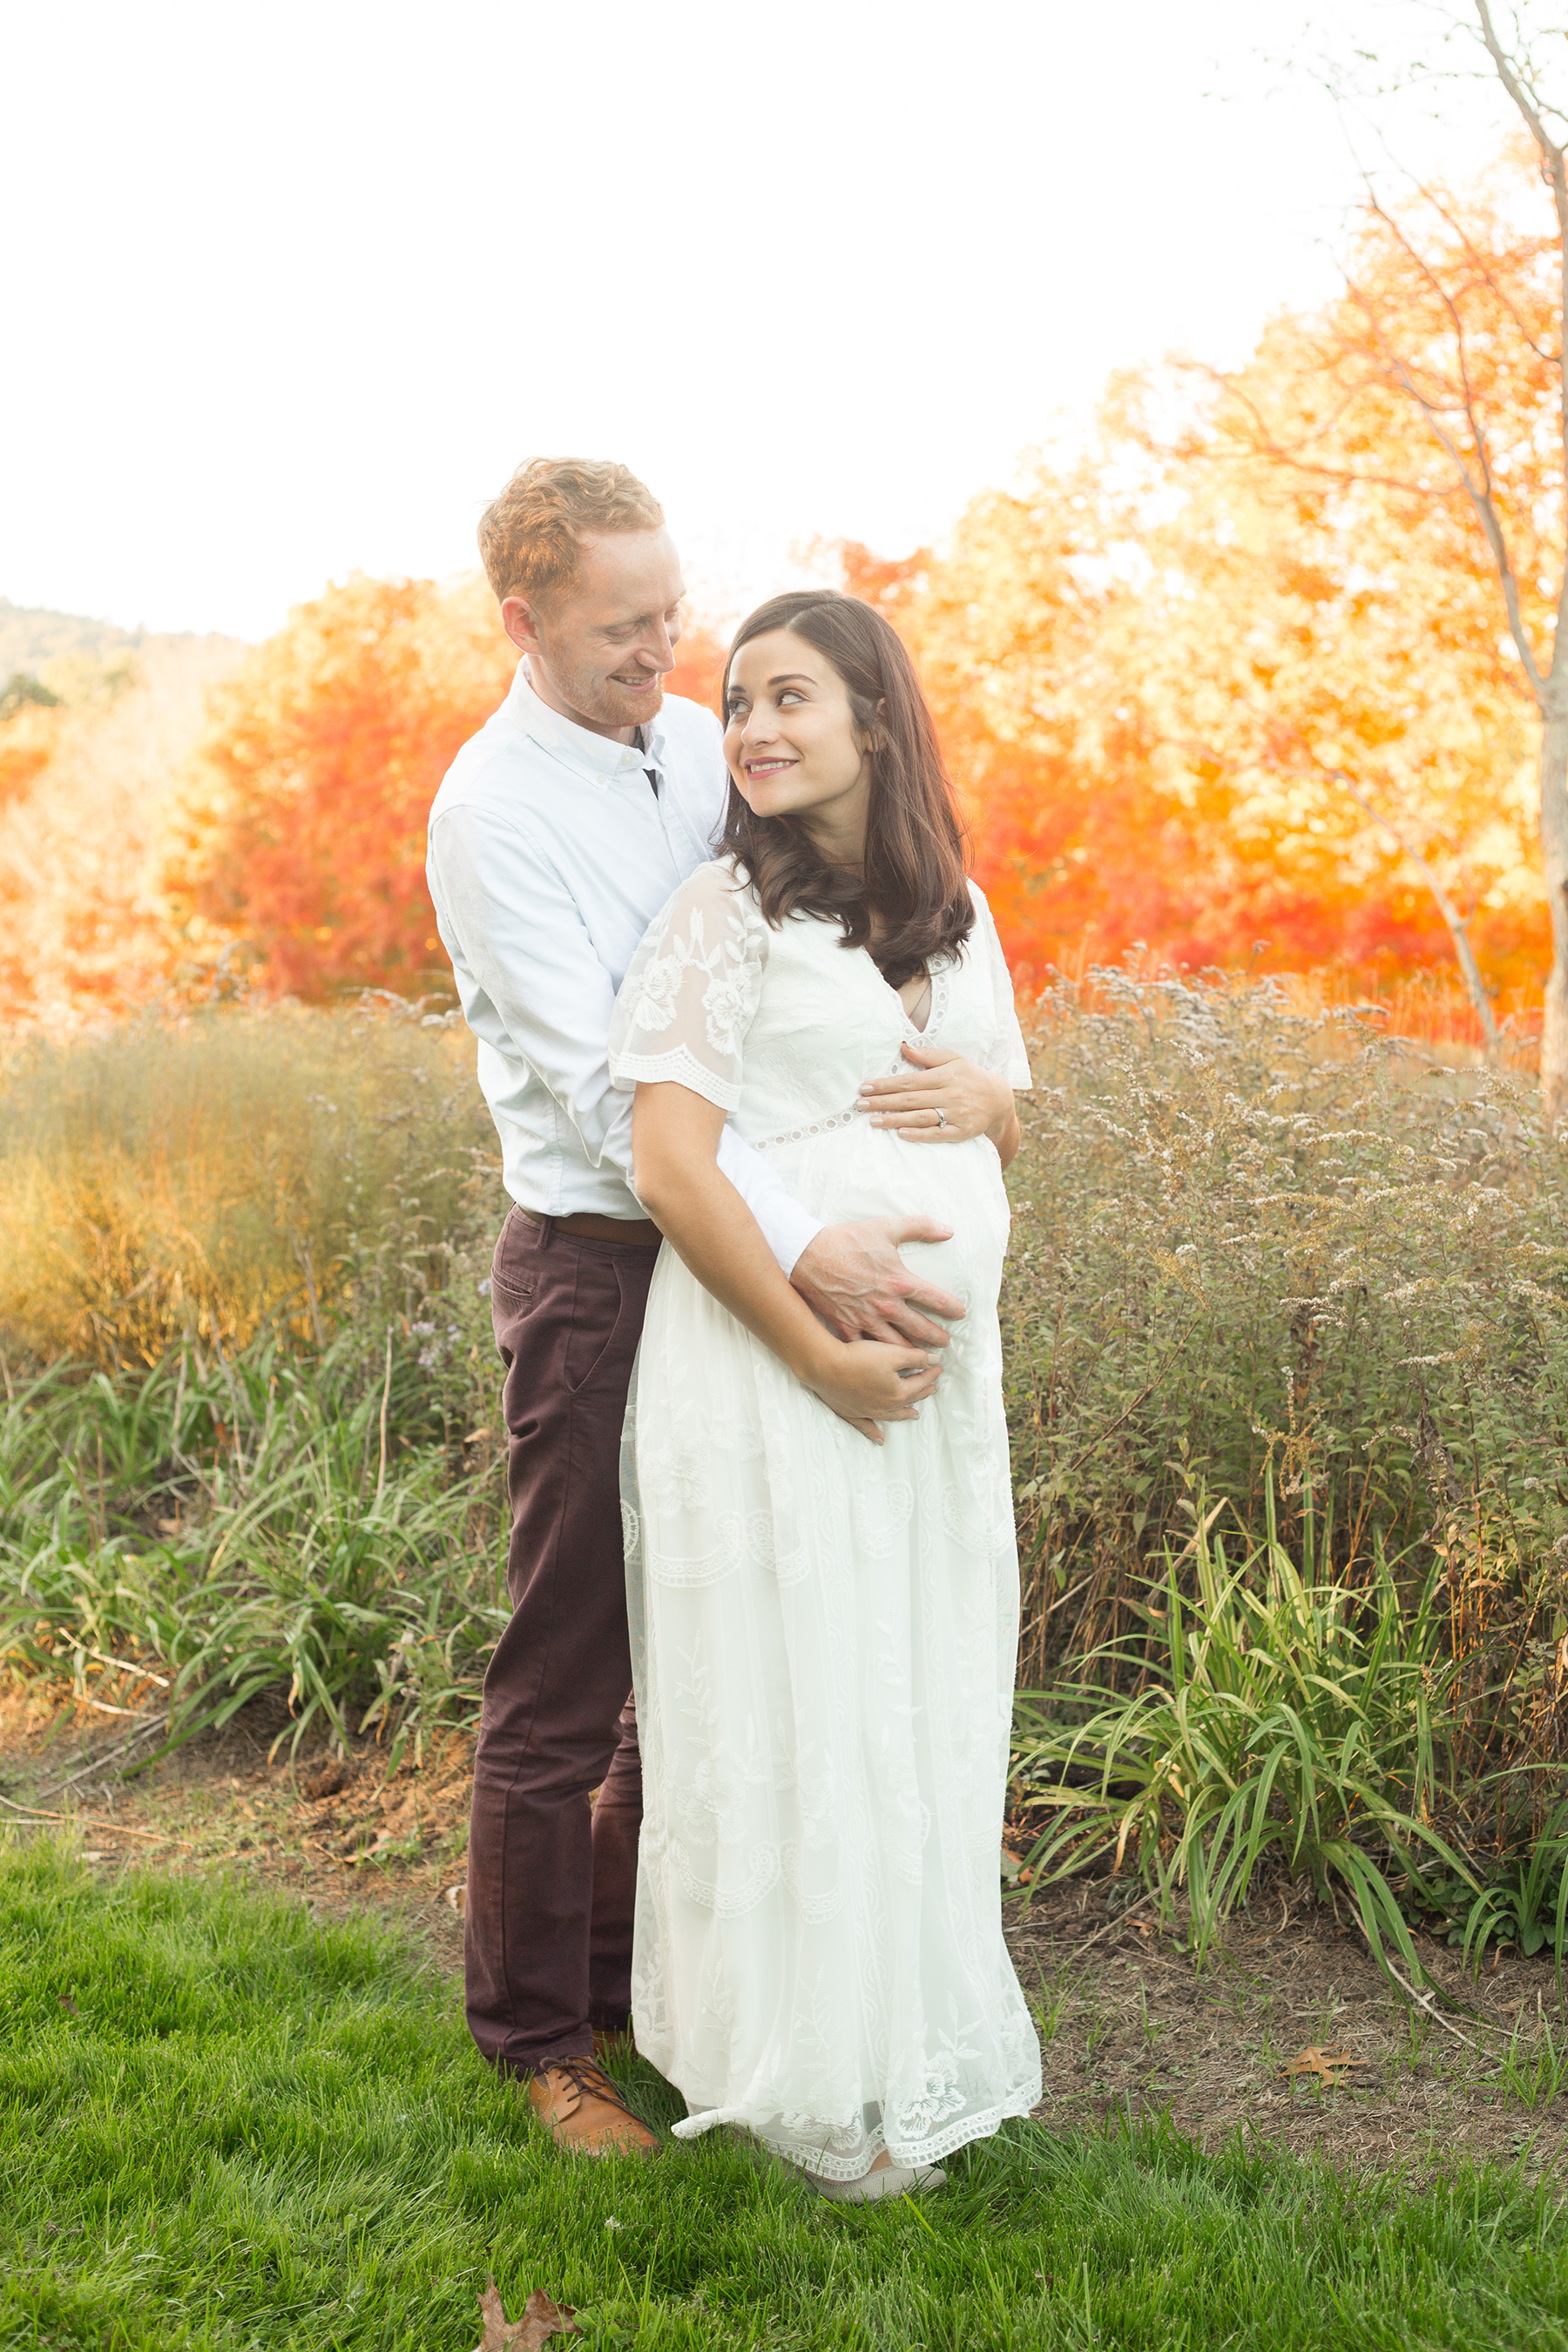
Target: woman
822,1628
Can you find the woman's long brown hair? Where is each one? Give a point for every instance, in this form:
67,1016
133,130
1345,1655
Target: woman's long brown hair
913,885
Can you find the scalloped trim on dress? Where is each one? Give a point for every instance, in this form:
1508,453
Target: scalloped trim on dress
681,1066
916,2154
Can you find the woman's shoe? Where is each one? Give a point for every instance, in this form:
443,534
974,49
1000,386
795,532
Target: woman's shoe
888,2180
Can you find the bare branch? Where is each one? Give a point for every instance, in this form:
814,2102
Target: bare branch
1508,74
1480,495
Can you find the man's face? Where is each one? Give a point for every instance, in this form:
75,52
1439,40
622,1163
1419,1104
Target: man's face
599,653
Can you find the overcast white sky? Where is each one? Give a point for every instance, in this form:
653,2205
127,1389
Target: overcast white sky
291,290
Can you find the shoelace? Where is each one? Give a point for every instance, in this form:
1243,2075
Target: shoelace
589,2080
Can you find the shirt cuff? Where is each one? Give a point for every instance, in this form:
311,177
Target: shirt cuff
791,1232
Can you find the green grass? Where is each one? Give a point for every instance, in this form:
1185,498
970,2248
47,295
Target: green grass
249,2129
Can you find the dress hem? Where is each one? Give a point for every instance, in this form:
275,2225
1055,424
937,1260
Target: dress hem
915,2155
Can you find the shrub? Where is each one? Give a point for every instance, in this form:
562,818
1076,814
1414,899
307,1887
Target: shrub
1290,1721
327,1527
1252,1245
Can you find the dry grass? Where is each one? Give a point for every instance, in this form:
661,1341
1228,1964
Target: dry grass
1253,1244
231,1170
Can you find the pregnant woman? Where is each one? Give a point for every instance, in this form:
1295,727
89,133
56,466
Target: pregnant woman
821,1575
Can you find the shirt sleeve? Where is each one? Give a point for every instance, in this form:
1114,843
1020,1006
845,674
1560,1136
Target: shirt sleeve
1007,1055
539,990
692,989
787,1228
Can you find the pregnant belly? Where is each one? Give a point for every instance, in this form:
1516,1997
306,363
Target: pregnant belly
863,1171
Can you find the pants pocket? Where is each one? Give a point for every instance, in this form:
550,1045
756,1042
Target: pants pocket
593,1349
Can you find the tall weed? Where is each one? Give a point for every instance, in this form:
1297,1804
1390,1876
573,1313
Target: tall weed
1252,1244
237,1170
327,1528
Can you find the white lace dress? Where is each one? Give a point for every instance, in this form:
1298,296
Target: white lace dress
822,1630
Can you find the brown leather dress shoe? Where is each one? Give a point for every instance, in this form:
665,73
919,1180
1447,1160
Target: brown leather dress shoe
583,2111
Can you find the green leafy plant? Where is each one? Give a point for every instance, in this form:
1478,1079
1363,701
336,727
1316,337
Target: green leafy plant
313,1526
1292,1722
1524,1899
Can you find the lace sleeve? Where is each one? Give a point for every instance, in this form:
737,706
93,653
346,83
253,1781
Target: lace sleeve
691,990
1006,1056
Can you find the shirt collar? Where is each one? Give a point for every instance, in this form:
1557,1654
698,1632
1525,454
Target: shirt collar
598,757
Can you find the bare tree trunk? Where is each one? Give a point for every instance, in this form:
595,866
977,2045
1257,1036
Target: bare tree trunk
1554,861
1458,928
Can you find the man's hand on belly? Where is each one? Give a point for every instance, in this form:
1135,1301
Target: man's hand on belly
853,1276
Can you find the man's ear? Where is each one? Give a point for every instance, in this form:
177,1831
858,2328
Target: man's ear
517,618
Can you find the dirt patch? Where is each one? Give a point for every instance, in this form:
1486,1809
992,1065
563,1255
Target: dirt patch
339,1829
1128,2025
1290,2032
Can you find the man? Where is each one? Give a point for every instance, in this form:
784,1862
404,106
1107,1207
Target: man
558,834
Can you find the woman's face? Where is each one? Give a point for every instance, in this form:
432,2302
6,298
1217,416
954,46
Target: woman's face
790,743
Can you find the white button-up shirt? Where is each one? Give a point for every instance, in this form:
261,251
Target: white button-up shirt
550,855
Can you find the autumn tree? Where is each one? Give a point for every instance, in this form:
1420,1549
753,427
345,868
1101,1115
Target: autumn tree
1332,658
300,838
698,665
1203,698
1013,624
1437,388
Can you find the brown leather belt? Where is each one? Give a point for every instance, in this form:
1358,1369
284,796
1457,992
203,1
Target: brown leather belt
589,1227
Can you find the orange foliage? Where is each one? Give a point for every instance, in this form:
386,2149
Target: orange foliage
1235,685
82,931
302,836
27,743
1242,679
299,839
698,665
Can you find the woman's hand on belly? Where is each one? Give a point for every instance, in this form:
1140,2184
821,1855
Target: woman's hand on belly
944,1098
867,1382
674,1141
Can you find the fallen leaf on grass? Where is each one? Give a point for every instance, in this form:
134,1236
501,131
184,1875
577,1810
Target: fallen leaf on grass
541,2319
456,1899
1330,2067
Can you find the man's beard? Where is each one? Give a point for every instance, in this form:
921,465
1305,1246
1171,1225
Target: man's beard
606,700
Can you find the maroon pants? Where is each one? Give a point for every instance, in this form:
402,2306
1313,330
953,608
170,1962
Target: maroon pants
551,1885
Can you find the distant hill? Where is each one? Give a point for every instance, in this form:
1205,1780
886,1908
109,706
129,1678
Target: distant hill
30,635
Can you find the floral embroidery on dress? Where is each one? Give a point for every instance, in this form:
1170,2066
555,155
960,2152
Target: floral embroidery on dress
691,988
824,1632
654,1008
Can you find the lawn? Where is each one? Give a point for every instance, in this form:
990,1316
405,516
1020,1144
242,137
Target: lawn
225,2124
